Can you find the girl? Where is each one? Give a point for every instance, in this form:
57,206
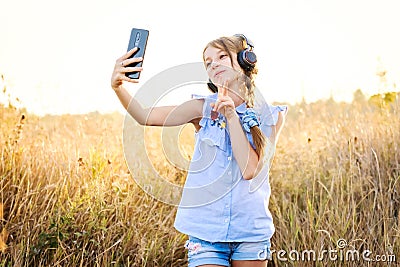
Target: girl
224,205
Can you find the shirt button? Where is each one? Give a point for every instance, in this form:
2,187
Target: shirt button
226,220
229,172
226,206
229,158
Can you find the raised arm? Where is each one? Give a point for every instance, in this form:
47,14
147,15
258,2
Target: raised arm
247,158
244,154
189,111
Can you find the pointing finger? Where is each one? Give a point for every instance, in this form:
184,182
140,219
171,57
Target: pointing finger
225,89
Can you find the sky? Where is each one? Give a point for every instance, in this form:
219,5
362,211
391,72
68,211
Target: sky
58,56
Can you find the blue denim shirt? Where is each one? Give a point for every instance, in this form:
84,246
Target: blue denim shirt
217,204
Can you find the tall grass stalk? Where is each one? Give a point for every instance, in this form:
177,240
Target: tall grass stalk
67,198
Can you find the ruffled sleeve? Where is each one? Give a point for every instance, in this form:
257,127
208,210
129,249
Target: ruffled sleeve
269,117
209,131
271,114
208,99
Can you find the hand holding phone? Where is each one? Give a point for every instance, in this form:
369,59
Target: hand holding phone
137,39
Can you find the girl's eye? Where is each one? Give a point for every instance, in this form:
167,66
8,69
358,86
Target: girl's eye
222,56
208,64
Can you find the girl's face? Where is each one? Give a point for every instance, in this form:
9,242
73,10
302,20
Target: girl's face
219,66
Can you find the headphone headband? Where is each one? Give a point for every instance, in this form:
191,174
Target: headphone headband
248,41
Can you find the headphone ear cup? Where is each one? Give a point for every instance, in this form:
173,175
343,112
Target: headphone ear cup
240,60
251,58
247,59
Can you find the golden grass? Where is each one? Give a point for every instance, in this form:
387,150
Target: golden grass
67,198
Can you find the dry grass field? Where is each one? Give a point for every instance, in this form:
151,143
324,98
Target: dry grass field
67,197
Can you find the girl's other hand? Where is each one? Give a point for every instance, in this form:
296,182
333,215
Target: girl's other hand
224,103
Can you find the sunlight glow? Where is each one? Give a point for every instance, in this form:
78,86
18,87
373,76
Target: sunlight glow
59,58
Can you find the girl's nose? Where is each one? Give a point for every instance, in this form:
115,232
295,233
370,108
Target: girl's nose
214,64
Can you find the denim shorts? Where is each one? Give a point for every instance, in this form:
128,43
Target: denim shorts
221,253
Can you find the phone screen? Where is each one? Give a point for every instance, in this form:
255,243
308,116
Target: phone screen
137,39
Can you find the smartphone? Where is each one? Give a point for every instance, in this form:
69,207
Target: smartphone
138,39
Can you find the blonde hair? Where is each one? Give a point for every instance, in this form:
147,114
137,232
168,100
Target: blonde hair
232,46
